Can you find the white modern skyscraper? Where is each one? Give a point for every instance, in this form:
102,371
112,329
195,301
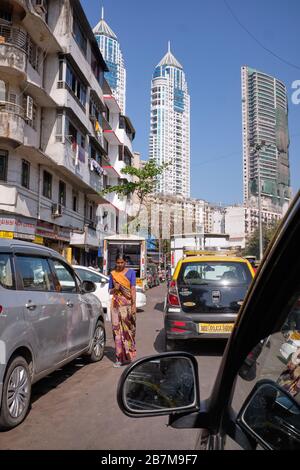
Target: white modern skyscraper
170,126
265,119
112,54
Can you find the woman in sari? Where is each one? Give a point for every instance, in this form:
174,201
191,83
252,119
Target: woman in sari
123,311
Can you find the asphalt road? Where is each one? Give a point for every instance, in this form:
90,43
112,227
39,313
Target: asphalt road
76,408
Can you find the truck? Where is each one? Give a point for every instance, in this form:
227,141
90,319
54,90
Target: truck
133,248
195,242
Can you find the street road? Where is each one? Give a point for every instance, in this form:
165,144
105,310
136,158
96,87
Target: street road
76,407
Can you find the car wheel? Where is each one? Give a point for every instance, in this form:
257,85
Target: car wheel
16,393
99,340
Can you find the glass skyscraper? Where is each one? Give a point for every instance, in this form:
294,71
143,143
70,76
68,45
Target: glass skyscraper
170,126
265,119
112,54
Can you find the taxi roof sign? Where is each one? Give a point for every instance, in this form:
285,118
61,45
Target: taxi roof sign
206,253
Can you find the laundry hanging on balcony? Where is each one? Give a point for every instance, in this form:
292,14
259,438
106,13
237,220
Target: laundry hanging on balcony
94,165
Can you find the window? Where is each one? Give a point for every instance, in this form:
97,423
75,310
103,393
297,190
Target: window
3,165
35,273
3,90
30,111
95,67
6,15
65,277
215,273
62,193
59,126
6,274
47,185
33,54
25,173
276,358
86,275
79,35
91,211
75,85
75,201
121,152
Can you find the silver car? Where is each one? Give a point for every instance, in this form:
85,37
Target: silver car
48,317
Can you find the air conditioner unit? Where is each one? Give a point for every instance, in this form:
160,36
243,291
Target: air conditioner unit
41,6
57,210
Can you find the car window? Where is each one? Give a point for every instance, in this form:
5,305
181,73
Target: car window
35,273
275,358
89,276
215,272
65,276
6,273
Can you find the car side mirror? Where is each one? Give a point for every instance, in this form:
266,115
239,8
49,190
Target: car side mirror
160,385
272,417
88,287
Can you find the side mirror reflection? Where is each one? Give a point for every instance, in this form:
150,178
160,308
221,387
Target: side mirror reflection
160,385
88,287
272,417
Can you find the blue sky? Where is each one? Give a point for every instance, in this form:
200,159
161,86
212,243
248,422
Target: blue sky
212,47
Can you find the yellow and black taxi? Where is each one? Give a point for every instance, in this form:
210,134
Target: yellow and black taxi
205,295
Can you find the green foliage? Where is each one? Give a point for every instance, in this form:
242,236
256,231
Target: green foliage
252,244
145,177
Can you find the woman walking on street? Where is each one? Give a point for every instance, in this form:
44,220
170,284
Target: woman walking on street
123,311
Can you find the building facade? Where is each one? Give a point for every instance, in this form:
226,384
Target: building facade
265,120
63,138
170,126
111,51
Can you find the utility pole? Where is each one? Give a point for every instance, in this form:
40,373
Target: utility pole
257,148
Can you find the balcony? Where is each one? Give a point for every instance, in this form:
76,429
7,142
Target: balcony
111,137
96,175
12,122
112,103
13,51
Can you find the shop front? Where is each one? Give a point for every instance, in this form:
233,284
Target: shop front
53,236
86,248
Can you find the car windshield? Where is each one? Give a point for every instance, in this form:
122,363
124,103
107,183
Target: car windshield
86,275
215,272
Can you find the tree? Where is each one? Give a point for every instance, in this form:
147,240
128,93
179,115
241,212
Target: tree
144,184
252,244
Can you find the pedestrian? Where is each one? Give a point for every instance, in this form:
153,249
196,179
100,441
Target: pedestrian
122,284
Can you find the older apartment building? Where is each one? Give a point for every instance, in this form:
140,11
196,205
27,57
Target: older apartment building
62,136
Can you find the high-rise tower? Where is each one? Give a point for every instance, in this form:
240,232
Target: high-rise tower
112,54
170,126
265,121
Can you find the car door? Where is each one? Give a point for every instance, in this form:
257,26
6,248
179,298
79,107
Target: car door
44,310
78,309
263,351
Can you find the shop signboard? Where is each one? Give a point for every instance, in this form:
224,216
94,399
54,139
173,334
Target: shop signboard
6,234
20,227
54,232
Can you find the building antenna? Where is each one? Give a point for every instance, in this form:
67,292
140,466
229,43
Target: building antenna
102,13
169,46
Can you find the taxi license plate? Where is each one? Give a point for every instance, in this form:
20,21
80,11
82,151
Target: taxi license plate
216,327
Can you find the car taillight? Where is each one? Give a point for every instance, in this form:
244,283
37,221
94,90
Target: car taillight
179,323
173,298
1,309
